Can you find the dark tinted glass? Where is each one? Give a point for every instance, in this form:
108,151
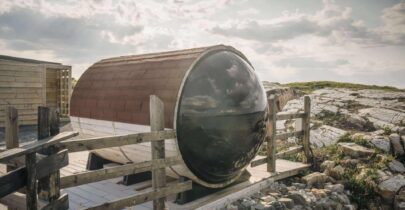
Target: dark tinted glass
221,117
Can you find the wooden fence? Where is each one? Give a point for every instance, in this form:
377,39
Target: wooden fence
272,135
44,158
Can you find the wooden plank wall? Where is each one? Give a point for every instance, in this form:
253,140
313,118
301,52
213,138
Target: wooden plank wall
52,87
21,86
27,86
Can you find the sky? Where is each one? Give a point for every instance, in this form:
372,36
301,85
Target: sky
360,41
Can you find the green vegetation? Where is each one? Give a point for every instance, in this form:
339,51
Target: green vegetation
308,87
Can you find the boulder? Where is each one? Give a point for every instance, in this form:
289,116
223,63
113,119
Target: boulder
299,198
381,143
388,188
355,150
396,166
316,178
356,122
396,144
326,135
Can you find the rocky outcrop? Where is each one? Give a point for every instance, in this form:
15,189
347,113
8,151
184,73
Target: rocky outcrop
326,135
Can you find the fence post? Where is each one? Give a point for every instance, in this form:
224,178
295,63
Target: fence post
48,124
306,128
43,122
158,148
271,140
31,185
11,130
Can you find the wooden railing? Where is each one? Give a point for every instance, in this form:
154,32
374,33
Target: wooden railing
272,135
54,150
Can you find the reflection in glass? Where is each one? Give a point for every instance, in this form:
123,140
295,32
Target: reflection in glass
221,120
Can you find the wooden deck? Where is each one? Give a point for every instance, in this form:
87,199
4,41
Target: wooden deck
108,190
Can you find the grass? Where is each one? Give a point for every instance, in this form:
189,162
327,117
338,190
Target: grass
309,87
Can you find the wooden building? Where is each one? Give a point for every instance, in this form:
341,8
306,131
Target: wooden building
26,84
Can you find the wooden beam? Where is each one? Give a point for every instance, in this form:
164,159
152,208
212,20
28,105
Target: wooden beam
271,138
158,149
60,203
146,196
115,171
289,116
31,181
116,141
36,146
14,180
288,135
306,123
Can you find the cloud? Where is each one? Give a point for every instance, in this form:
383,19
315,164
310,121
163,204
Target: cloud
393,29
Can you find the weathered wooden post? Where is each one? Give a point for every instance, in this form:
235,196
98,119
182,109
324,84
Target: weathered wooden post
11,130
31,183
158,148
306,129
49,186
271,137
43,122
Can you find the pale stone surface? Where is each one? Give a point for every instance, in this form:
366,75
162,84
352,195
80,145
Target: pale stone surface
382,144
396,144
326,135
355,150
316,178
389,187
396,166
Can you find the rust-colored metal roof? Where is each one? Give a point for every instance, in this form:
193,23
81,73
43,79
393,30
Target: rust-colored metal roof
118,89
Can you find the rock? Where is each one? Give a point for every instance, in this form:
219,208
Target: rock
396,144
337,172
289,203
341,198
248,203
335,187
298,198
355,150
388,188
319,193
382,117
316,178
381,144
231,207
396,166
259,206
326,135
356,122
299,185
277,205
401,131
327,164
268,199
349,207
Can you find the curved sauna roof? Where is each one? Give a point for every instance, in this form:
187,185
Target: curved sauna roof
212,98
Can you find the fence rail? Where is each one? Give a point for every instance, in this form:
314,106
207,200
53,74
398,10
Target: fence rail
44,158
271,156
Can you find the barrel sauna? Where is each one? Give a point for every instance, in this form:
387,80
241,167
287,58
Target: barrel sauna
212,99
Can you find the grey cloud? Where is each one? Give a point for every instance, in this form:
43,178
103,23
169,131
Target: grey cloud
254,30
25,29
308,62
